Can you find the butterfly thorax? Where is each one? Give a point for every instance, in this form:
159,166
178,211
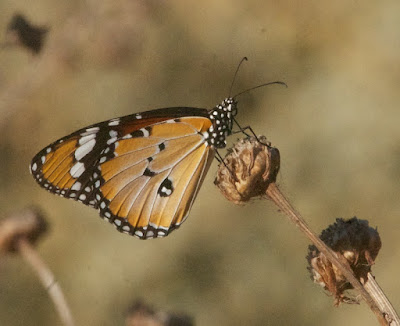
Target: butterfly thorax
222,119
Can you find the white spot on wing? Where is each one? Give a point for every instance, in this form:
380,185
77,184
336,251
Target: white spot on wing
113,133
111,140
82,197
114,122
84,149
90,131
34,166
145,132
77,170
86,138
76,186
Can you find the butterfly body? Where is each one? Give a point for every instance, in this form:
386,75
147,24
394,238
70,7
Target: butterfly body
142,171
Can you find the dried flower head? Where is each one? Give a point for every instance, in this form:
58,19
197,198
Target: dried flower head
356,243
141,314
21,31
28,224
248,169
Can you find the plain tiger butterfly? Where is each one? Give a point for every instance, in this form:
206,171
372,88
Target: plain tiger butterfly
141,171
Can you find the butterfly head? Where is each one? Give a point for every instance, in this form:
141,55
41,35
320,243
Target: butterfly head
222,117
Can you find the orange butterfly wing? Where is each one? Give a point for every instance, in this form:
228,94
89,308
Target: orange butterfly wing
141,171
148,188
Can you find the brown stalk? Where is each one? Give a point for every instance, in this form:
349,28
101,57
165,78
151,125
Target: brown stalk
274,193
249,170
18,233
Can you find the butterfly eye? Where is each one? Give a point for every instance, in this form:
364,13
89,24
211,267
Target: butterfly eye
234,110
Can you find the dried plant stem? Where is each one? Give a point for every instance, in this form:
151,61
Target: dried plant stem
374,290
274,193
47,279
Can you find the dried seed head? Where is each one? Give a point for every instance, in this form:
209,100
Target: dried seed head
248,169
353,240
21,32
141,314
28,224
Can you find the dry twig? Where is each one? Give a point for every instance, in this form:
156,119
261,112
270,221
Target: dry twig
18,234
250,170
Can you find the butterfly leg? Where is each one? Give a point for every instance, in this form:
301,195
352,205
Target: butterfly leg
219,158
243,131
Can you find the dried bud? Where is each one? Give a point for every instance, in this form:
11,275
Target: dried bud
141,314
21,31
354,242
248,169
28,224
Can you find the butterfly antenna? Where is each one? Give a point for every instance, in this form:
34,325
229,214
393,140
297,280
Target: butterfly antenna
236,72
262,85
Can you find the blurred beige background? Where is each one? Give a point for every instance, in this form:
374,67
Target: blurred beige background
336,126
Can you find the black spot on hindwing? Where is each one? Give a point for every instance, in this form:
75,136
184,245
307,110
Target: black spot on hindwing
166,188
148,173
161,147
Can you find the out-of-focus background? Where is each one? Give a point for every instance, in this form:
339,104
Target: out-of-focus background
336,126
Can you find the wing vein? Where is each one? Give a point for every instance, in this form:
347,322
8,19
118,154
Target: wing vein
206,152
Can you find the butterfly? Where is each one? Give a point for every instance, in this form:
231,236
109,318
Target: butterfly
141,171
